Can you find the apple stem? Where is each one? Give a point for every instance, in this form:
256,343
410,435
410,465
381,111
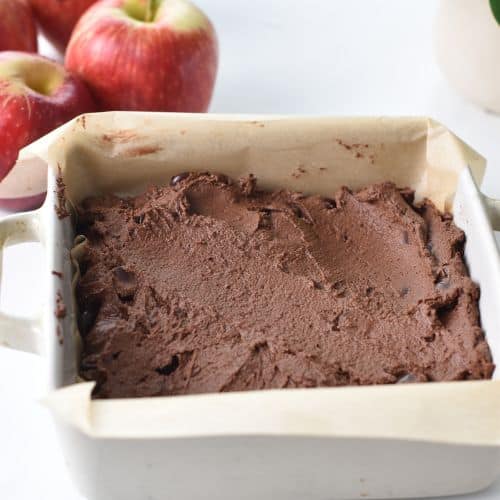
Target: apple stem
151,8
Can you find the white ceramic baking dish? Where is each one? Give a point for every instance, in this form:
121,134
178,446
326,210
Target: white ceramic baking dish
373,442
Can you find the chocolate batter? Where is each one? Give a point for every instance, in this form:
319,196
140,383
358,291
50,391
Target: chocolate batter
211,285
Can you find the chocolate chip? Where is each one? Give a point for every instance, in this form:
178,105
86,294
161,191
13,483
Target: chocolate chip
318,285
224,179
330,204
170,367
339,288
443,284
125,283
443,280
123,275
138,219
404,291
339,285
458,247
297,211
180,313
407,378
178,178
87,317
265,221
88,364
408,195
443,311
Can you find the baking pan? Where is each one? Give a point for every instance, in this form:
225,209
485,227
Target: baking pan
393,441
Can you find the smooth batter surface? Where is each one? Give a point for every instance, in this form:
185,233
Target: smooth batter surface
211,285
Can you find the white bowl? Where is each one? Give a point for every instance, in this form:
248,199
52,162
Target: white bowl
377,442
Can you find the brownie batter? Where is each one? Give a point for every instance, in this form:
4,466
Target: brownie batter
211,285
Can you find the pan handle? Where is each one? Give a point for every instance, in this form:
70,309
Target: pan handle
493,208
15,332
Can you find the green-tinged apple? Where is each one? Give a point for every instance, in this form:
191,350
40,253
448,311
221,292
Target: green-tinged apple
17,26
36,96
57,18
147,55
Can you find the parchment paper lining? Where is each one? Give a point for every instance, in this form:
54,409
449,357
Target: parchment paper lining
124,152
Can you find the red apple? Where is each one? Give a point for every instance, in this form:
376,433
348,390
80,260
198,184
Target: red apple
22,202
36,96
17,26
57,18
145,55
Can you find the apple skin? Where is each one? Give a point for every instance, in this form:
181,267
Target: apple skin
23,203
57,18
36,96
168,64
17,26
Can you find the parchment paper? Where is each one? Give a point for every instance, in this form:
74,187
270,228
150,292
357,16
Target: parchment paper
124,152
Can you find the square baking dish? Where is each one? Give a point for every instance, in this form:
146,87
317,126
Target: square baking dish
349,442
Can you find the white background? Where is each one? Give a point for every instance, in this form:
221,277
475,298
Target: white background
357,57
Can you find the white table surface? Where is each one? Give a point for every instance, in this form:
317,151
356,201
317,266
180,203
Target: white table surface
356,57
